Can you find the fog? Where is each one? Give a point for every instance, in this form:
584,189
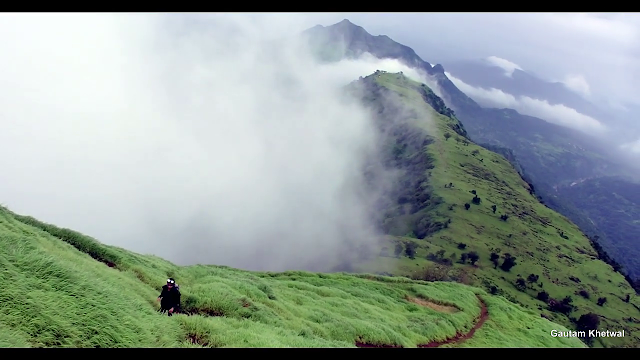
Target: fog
201,139
554,113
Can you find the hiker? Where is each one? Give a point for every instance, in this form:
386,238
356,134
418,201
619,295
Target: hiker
169,297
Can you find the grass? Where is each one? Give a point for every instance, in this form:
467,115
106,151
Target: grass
58,291
544,242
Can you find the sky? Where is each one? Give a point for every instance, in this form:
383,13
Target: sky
205,138
595,55
598,52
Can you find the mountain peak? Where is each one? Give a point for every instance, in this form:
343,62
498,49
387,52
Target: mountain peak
347,27
438,68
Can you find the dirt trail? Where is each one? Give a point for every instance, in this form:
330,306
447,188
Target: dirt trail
457,339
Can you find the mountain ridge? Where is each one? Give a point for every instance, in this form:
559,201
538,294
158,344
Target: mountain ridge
479,204
554,156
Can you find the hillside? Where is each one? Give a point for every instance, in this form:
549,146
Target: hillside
482,73
63,289
430,223
552,156
613,205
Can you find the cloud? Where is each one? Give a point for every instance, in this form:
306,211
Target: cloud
632,147
366,64
202,139
609,27
578,84
557,114
508,66
602,47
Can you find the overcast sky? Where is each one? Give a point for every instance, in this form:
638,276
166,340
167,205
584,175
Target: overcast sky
602,49
595,55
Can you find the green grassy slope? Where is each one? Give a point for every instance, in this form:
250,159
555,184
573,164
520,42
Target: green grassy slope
553,156
613,204
543,242
62,289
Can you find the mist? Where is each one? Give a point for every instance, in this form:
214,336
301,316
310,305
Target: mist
201,139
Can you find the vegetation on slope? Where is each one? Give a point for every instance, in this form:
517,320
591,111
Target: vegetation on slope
497,235
554,156
613,205
63,289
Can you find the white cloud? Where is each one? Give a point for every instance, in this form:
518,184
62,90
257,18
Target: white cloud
633,147
508,66
619,28
198,141
366,64
557,114
578,84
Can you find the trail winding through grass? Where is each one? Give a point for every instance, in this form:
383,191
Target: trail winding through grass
460,337
457,339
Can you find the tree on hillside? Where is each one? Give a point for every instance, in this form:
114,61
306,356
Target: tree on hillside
586,322
447,136
494,208
476,200
410,250
398,250
601,301
494,259
563,306
532,278
589,321
504,217
508,263
461,246
433,273
521,284
463,258
543,296
473,257
467,206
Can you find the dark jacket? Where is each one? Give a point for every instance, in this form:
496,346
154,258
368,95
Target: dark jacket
169,298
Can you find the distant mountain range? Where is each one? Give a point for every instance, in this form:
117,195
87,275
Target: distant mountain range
485,74
489,74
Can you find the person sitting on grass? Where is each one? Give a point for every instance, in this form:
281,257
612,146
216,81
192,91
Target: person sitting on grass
169,297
